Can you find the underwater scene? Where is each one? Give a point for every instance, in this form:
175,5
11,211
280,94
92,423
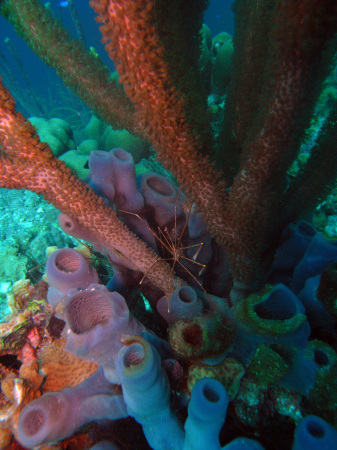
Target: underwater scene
168,226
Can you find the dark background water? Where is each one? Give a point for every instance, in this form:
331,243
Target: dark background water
43,84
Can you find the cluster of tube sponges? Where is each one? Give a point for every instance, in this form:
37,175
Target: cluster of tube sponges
100,328
202,328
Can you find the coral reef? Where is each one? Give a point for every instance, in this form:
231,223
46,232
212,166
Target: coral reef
219,317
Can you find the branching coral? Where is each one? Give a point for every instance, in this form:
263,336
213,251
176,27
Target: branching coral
267,137
145,73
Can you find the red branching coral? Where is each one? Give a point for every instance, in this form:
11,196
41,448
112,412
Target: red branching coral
133,43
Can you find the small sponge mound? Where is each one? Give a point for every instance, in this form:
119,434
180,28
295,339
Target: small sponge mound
55,132
122,138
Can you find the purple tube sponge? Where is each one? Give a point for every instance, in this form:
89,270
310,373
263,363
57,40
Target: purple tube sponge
113,176
57,415
295,240
316,313
73,228
183,303
101,175
177,226
146,392
96,320
68,269
163,198
186,302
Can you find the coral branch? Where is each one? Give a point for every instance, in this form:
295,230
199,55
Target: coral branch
294,69
26,163
133,43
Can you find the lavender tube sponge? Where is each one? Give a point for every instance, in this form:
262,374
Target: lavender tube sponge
96,320
57,415
113,176
73,228
146,392
183,303
163,198
68,269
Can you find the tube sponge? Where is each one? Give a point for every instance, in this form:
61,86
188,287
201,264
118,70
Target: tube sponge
243,444
96,319
274,315
146,392
315,311
320,254
183,303
206,414
55,416
163,198
75,229
295,240
68,269
315,433
113,176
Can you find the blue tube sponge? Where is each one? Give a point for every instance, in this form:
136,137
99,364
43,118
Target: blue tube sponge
146,392
273,316
57,415
206,415
295,240
320,254
315,433
243,444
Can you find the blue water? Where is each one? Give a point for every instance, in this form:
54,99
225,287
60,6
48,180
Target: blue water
218,17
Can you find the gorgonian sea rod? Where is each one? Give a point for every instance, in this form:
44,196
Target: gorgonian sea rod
236,178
